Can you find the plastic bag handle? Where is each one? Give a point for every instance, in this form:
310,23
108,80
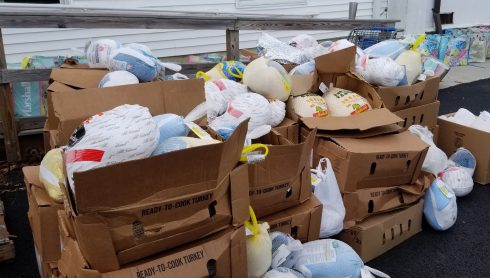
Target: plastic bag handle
366,272
254,226
239,75
251,148
203,75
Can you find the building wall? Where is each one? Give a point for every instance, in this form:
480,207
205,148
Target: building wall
164,43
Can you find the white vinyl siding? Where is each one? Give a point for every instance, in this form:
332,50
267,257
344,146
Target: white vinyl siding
50,42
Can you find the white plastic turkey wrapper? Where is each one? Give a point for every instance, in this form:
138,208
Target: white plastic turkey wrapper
99,52
127,132
118,78
382,71
263,115
466,118
274,49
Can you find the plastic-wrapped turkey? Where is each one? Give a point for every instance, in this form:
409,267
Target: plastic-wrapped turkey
263,114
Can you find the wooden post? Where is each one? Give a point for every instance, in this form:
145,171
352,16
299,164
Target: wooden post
232,45
7,117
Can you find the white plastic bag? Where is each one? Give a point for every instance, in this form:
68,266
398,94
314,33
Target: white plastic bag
127,132
382,71
327,191
99,52
458,179
440,208
118,78
263,115
435,160
464,158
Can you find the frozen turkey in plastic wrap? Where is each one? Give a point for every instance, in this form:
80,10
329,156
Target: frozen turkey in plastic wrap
127,132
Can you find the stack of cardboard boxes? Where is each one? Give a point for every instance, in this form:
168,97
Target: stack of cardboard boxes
181,213
376,162
415,104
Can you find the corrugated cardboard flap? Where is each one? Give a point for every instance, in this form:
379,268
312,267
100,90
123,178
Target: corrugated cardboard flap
341,61
69,109
383,143
138,180
80,78
377,118
41,197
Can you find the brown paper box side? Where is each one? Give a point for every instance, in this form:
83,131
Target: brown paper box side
302,221
67,110
42,216
453,136
424,115
109,238
381,233
365,203
403,97
224,251
384,160
283,179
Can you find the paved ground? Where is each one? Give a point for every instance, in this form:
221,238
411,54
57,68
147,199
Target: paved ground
463,251
465,74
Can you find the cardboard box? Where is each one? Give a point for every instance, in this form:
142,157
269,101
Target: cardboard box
283,179
302,221
46,269
435,133
424,115
170,213
73,79
403,97
365,203
337,68
380,233
126,211
219,255
384,160
453,136
42,216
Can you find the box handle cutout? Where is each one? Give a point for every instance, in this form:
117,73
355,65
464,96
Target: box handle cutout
422,118
405,123
289,192
408,164
384,238
397,100
370,206
212,208
370,97
211,266
294,232
409,224
421,95
414,120
138,230
401,229
416,96
373,168
392,234
407,100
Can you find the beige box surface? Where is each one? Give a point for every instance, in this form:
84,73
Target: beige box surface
219,255
42,216
381,233
283,179
302,221
424,115
384,160
403,97
453,136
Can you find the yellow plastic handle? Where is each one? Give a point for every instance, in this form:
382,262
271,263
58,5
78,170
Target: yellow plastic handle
203,75
251,148
418,41
239,75
254,226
